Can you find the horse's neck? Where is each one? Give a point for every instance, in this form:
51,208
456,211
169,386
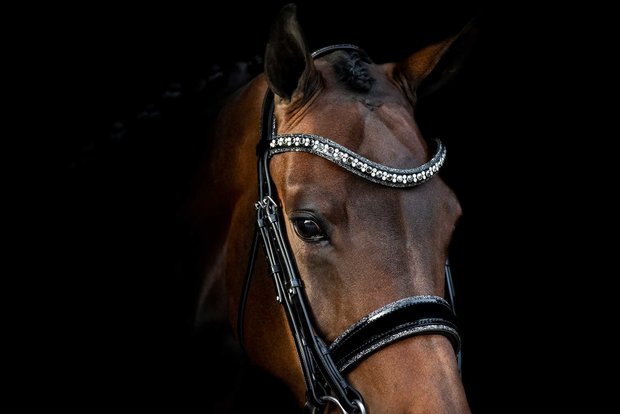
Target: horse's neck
225,200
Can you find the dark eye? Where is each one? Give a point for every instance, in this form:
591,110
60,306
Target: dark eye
308,229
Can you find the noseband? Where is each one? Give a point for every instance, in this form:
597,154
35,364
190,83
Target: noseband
324,366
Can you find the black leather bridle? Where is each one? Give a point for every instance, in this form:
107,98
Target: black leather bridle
324,366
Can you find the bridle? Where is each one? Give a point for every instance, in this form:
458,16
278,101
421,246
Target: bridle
324,366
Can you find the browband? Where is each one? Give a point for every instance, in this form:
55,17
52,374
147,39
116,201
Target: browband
357,164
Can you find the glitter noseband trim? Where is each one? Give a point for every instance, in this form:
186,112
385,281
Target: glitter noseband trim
357,164
416,315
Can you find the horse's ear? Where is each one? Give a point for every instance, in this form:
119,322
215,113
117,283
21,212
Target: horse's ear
430,68
288,63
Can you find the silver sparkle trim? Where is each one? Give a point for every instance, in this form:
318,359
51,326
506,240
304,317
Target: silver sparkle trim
417,330
357,164
413,328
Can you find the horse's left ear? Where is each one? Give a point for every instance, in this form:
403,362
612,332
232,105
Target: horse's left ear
289,68
430,68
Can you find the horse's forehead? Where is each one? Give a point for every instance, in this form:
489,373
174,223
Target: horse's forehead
384,106
378,124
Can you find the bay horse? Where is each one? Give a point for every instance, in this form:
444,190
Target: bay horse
329,229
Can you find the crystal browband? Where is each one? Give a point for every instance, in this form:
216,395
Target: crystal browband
357,164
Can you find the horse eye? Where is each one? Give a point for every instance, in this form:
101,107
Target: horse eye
308,229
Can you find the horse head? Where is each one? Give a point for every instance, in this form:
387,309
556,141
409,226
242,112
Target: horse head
365,221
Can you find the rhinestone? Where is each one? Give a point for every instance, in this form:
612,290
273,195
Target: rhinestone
328,149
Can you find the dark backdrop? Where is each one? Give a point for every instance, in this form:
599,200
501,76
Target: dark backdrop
127,87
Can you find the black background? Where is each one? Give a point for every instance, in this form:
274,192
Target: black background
110,324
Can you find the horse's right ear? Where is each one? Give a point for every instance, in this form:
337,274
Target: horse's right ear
288,63
431,67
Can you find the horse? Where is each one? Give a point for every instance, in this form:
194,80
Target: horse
327,228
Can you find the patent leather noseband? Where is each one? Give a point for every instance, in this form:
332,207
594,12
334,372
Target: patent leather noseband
324,365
